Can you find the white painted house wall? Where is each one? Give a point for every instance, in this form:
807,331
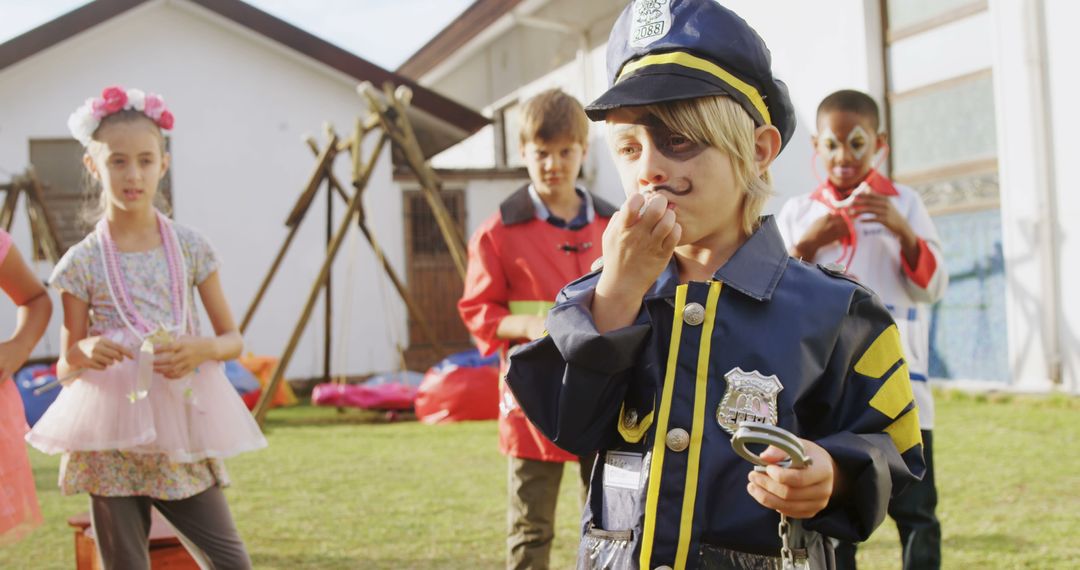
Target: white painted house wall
1063,91
1036,86
242,104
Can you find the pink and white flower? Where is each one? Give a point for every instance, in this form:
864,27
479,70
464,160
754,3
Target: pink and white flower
154,106
87,118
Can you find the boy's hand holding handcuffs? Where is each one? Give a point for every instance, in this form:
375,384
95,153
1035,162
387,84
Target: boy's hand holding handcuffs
793,476
801,489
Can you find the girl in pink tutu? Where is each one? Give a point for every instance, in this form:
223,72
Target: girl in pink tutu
19,510
147,414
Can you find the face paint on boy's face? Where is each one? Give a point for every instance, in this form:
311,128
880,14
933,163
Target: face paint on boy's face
847,145
698,180
858,141
671,144
828,145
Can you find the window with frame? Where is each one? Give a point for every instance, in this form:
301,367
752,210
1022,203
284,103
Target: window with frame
508,136
942,130
68,190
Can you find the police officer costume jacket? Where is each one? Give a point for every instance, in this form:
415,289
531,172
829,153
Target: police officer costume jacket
769,339
517,265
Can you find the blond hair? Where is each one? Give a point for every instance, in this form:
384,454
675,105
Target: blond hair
722,123
551,115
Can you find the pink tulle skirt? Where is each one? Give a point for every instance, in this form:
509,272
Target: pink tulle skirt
19,511
196,417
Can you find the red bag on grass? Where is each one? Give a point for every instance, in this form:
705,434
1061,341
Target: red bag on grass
460,388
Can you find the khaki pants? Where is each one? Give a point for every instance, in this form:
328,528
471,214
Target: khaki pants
533,492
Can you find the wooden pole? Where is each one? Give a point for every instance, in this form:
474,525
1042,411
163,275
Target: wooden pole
354,203
328,297
39,213
250,313
323,165
410,303
296,216
397,125
7,212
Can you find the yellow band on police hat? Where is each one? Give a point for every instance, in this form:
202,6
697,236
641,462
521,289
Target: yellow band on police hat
693,62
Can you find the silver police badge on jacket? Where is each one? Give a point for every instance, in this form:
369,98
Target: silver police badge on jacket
750,396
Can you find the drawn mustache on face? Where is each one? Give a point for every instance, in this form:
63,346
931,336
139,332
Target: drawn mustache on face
679,187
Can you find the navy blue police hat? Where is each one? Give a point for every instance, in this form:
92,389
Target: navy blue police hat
669,50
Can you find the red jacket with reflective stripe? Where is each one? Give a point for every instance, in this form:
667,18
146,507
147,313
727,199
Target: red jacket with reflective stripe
517,265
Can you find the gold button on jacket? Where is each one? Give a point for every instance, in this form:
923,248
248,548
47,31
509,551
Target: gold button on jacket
678,440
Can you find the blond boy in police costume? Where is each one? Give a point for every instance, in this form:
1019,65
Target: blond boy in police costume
699,320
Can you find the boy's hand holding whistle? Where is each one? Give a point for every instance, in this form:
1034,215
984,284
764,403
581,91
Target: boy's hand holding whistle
638,244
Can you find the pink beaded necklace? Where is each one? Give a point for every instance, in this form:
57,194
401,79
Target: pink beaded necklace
121,295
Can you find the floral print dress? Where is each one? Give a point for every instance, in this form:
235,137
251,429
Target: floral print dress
80,273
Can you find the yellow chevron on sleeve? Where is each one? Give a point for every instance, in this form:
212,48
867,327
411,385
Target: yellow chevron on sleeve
883,353
895,394
905,432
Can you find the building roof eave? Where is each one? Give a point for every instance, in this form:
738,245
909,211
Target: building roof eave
460,120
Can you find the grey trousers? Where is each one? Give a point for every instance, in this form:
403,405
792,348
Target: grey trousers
202,522
534,491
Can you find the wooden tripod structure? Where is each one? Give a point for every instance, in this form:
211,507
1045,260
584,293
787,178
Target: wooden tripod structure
387,115
42,226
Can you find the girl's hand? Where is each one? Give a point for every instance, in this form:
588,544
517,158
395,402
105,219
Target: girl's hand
797,493
12,356
98,353
180,357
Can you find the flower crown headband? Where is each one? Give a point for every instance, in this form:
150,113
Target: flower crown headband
85,120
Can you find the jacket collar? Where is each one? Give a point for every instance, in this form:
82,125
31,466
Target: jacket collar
754,269
519,207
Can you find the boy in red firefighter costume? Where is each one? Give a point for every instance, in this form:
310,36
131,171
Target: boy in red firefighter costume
545,235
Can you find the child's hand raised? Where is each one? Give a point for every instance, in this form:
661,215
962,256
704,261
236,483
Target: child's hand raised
99,352
874,207
825,230
180,357
638,244
798,493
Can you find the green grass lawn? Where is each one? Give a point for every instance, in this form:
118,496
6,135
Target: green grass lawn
352,491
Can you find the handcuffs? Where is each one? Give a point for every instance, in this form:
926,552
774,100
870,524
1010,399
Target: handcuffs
784,440
767,434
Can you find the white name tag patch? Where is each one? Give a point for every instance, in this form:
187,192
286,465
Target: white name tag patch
622,470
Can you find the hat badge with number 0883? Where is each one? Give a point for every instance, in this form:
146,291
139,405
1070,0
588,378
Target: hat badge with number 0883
661,51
